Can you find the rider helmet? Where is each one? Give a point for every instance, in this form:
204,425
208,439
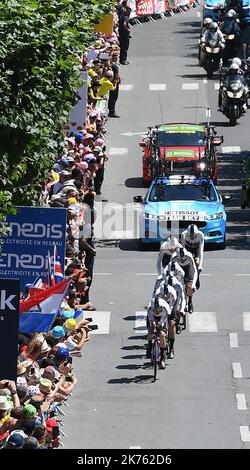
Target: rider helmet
207,22
236,60
192,231
156,304
234,68
232,13
170,245
213,26
229,14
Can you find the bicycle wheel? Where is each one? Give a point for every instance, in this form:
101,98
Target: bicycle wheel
155,360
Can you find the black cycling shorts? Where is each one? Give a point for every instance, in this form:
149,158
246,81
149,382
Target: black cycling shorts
189,272
194,250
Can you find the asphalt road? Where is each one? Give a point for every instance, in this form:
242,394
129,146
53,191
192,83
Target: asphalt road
202,399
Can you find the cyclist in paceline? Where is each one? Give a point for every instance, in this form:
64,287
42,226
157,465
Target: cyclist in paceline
193,240
185,259
167,292
158,310
167,251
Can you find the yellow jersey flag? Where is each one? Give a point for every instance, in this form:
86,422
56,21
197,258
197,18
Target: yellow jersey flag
106,24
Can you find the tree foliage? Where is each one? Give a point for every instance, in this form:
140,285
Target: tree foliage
41,42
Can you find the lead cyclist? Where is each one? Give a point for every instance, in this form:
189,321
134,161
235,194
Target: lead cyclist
193,240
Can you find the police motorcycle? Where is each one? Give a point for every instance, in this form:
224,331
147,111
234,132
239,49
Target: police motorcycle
210,55
233,97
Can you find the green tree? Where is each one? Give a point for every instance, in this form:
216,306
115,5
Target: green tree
41,42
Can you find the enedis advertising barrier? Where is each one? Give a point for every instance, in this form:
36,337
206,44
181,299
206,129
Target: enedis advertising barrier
152,7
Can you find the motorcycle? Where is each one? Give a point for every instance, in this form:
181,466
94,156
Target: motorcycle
210,57
233,98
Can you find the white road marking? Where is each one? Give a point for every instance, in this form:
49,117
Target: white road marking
204,80
134,447
242,274
246,321
245,433
140,322
202,322
190,86
198,13
118,151
205,274
235,149
157,87
130,134
233,337
102,274
126,87
241,401
216,86
146,274
237,372
100,318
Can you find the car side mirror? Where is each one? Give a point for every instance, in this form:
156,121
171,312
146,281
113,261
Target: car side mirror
138,199
218,140
226,198
143,144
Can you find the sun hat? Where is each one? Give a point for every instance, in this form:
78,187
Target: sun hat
29,411
20,368
70,324
32,390
98,149
21,381
62,353
82,165
88,136
45,385
58,331
16,439
4,403
50,373
100,142
90,159
45,347
50,424
66,314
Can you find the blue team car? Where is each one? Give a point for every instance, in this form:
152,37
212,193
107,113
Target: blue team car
212,9
172,203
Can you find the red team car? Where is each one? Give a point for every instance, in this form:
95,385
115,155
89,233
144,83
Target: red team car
180,148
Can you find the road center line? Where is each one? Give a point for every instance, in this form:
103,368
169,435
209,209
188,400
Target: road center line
237,372
204,80
233,340
102,274
146,274
118,151
126,87
241,401
246,321
245,433
242,274
157,87
190,86
134,447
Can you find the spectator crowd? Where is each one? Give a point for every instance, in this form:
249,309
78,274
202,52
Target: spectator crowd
31,408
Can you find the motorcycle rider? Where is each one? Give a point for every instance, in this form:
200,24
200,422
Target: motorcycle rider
230,26
213,33
159,310
234,72
185,259
204,27
167,250
193,240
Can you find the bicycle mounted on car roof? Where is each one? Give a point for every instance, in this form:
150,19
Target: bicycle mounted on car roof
180,148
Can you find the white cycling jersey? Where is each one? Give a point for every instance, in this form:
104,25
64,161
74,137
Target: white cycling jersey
194,245
165,311
163,251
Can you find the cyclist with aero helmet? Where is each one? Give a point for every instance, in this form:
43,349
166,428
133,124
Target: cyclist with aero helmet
185,259
193,240
158,310
169,294
179,287
167,251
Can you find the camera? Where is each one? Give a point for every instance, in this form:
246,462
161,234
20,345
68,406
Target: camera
93,327
89,319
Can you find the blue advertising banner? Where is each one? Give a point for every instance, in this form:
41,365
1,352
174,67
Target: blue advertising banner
34,231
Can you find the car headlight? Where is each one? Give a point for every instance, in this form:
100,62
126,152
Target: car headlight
219,215
150,216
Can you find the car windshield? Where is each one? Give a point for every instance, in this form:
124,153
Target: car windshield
182,192
181,139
